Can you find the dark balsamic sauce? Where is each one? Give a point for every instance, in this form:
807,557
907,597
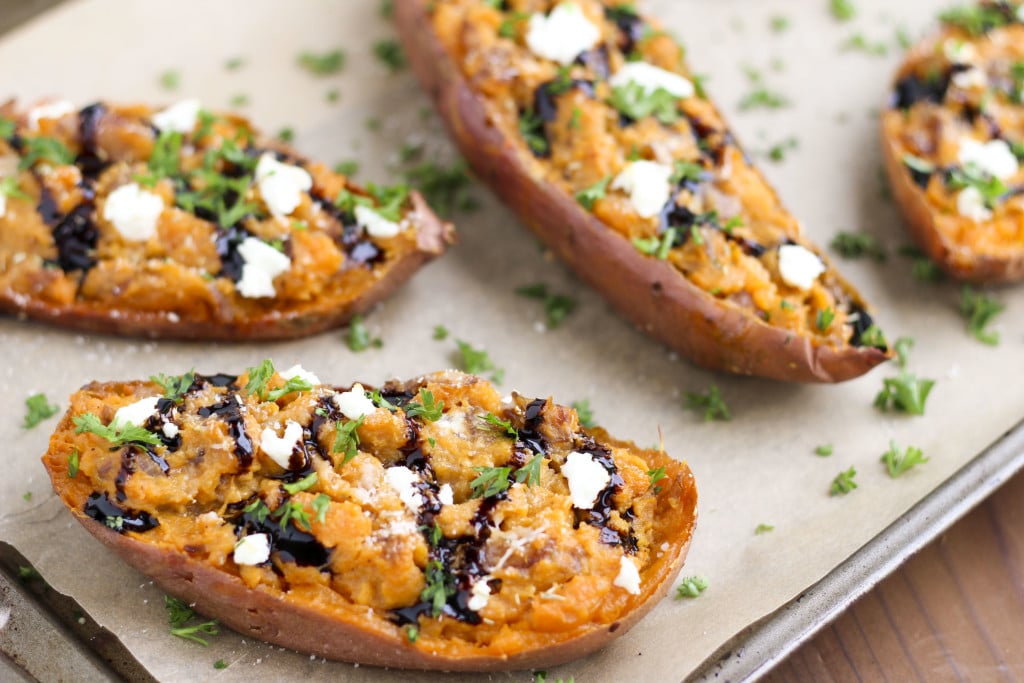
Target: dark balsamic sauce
600,514
631,26
861,322
544,103
75,236
230,411
681,218
352,240
228,241
290,543
912,89
920,178
88,160
596,59
99,507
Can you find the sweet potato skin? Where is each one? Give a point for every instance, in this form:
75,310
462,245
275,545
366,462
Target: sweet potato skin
648,292
353,635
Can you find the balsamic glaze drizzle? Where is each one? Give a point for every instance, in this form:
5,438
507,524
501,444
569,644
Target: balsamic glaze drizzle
290,543
229,410
99,507
631,26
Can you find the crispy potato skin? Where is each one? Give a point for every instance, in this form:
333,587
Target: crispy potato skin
957,259
650,293
354,633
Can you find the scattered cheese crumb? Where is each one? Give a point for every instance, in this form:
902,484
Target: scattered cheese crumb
993,157
647,184
445,495
136,413
562,35
261,263
798,266
279,448
3,205
354,404
170,430
252,549
959,52
301,373
281,185
479,595
180,117
971,204
133,211
628,578
970,79
375,224
652,78
403,480
586,478
53,110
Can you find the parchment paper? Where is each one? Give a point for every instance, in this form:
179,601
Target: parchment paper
758,468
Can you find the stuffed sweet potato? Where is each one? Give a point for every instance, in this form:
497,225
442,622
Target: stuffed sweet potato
181,223
430,524
582,117
952,136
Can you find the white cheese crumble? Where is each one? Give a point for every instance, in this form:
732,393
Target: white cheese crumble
300,372
354,404
647,184
281,185
586,478
252,549
562,35
970,79
445,495
798,266
993,157
628,578
279,448
375,224
261,263
403,481
180,117
959,52
133,211
480,593
136,413
170,430
971,204
652,78
53,110
3,205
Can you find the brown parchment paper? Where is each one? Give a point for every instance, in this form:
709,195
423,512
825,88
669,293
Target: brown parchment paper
759,468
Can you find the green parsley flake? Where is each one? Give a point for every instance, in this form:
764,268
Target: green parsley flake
303,484
659,247
763,529
980,310
975,19
691,587
779,23
529,473
531,127
446,188
358,337
904,393
897,462
347,167
346,439
48,150
636,102
843,483
476,361
824,318
588,196
762,98
859,43
506,425
179,614
427,408
220,664
37,409
854,245
175,386
234,63
170,79
73,464
323,64
390,53
116,433
440,586
824,450
777,152
843,10
557,307
902,347
711,403
584,412
440,333
490,481
286,134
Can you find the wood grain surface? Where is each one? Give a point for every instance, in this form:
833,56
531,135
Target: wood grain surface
953,612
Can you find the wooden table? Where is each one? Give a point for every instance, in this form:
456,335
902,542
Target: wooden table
955,611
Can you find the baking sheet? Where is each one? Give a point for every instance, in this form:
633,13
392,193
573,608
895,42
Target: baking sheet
759,468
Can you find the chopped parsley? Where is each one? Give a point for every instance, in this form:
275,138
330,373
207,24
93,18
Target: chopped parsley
990,187
116,433
294,512
258,377
507,29
691,587
656,475
321,504
290,387
529,473
446,188
777,152
779,23
902,347
234,63
37,409
922,268
49,150
897,462
302,484
286,134
170,79
763,529
975,19
346,439
843,482
762,98
855,245
332,95
476,361
73,464
531,127
711,403
7,128
179,614
412,633
584,412
824,319
175,386
904,393
347,167
440,333
358,337
686,171
659,247
859,43
390,53
636,102
9,188
506,425
440,586
557,307
873,336
220,664
490,481
588,196
980,310
427,408
824,450
239,100
323,64
843,10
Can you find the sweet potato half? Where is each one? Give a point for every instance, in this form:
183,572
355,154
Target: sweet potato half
430,524
953,137
185,224
582,117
